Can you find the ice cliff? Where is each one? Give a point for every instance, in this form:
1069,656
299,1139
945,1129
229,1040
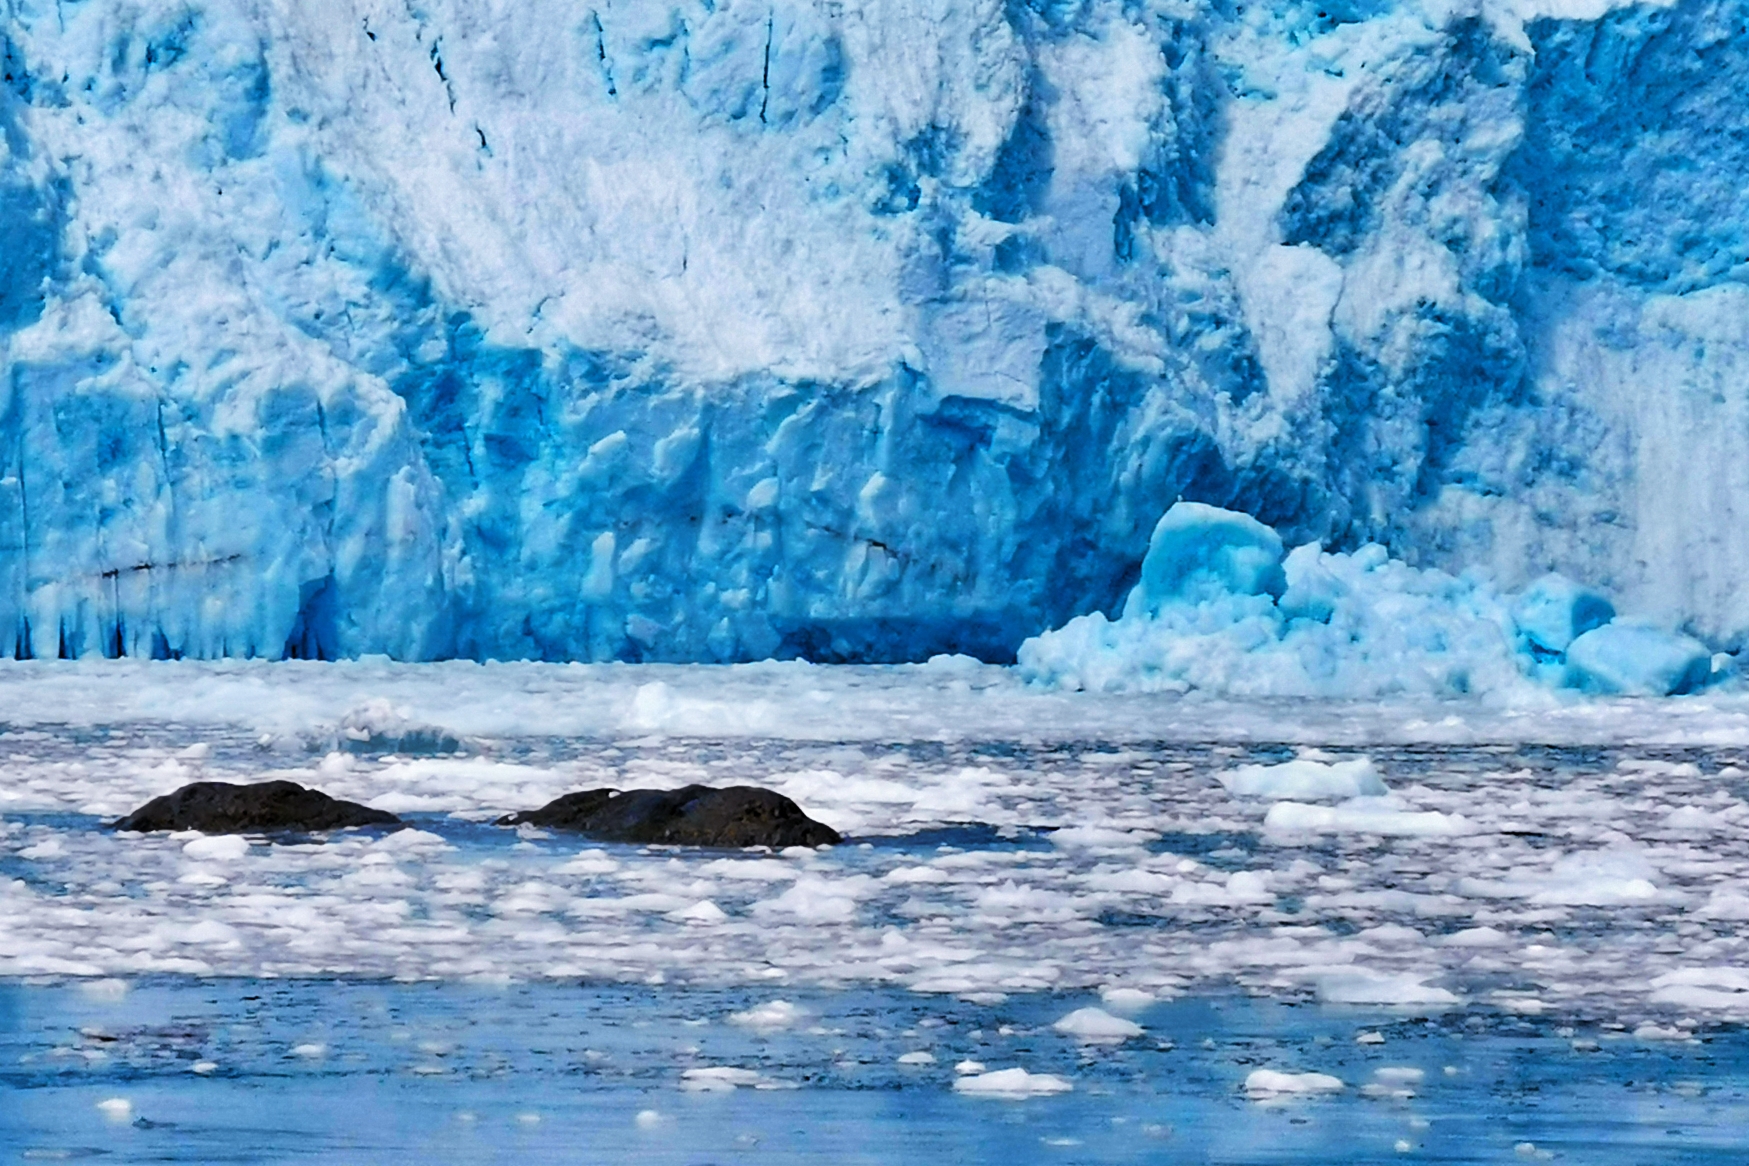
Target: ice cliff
852,329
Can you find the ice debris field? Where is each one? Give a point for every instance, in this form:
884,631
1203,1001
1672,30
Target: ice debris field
1220,608
1111,927
1584,859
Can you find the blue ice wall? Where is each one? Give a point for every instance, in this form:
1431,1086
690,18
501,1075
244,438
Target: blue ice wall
673,331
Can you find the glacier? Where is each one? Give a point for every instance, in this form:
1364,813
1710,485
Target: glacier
849,329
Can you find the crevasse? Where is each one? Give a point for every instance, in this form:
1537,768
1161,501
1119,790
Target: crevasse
848,330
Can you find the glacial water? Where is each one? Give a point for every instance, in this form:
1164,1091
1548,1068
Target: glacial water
252,1070
1464,933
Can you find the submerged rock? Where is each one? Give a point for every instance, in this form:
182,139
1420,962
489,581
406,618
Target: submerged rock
697,815
219,807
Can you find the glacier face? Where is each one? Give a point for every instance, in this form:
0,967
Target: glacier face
851,329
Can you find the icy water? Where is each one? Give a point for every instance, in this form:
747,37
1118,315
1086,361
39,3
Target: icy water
1515,936
341,1071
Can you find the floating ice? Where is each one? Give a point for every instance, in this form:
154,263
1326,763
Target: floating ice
1394,1081
1011,1084
1200,551
222,848
718,1079
1304,778
1356,985
1270,1084
1366,815
1637,659
774,1015
1091,864
1708,989
1096,1026
704,913
1126,999
1554,610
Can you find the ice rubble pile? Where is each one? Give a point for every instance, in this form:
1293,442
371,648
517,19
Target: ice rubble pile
686,330
1221,607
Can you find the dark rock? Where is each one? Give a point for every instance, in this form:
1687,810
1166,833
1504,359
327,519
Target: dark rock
740,815
218,807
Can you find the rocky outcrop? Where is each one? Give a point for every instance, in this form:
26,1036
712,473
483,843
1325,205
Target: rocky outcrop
219,807
696,815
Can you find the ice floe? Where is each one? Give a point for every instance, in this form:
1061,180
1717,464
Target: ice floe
1096,1026
1271,1084
1011,1084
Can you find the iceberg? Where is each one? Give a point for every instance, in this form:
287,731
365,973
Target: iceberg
1199,549
1554,611
682,331
1306,778
1637,659
1351,625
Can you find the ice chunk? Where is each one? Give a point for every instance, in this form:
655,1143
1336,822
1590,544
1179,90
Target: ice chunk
1012,1084
1637,659
1383,816
1126,999
1713,989
1198,551
718,1079
377,726
217,848
1096,1026
769,1017
702,913
1270,1084
1357,985
1313,589
1304,778
1554,610
1384,629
